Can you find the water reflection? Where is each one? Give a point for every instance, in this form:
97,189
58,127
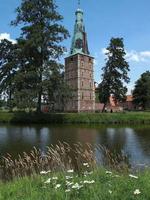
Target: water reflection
133,142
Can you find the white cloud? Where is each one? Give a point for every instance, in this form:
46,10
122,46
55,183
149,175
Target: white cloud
7,36
104,51
145,53
134,56
96,58
142,56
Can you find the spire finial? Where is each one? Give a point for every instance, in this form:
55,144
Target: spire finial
79,3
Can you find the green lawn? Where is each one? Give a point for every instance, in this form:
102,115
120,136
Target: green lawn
100,185
74,118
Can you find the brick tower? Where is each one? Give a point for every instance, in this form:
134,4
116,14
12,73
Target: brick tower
79,70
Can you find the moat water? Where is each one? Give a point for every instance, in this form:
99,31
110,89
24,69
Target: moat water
134,142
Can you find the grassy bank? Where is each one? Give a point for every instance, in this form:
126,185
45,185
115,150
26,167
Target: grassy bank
71,172
96,185
74,118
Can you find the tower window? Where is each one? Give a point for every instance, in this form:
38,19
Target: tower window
90,96
82,95
71,58
90,84
82,83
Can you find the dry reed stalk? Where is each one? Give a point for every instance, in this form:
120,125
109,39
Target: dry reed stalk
60,158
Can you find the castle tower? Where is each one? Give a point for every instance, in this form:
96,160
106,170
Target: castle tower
79,70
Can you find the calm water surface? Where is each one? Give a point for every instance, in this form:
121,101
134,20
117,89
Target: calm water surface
131,141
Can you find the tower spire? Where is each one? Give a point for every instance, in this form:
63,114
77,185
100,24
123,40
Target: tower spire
79,40
79,3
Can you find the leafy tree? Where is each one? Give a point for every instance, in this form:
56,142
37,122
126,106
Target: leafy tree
8,69
115,73
141,92
62,92
42,33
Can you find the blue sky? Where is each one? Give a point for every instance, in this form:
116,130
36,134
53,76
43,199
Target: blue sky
103,19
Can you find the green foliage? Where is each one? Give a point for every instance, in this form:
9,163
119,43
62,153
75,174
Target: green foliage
115,73
42,33
75,118
8,69
2,103
30,70
105,186
141,93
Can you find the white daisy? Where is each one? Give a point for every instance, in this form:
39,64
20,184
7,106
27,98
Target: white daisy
133,176
57,186
137,191
48,180
70,171
108,172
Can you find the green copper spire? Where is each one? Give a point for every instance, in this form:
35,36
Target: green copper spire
78,3
79,41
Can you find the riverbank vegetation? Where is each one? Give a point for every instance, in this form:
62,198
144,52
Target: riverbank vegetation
76,118
98,184
71,172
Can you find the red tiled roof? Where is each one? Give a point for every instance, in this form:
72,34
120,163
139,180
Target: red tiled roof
129,98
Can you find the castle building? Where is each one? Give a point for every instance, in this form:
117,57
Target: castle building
79,70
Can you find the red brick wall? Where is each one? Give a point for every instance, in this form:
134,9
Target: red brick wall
79,76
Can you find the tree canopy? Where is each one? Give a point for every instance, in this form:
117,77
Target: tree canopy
115,73
38,50
141,92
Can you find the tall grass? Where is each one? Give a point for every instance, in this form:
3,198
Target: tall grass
60,158
71,172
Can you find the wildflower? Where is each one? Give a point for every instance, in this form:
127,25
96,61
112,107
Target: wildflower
68,190
69,177
45,172
85,164
137,191
57,186
132,176
89,182
77,186
110,192
108,172
87,173
69,183
70,171
48,180
55,178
